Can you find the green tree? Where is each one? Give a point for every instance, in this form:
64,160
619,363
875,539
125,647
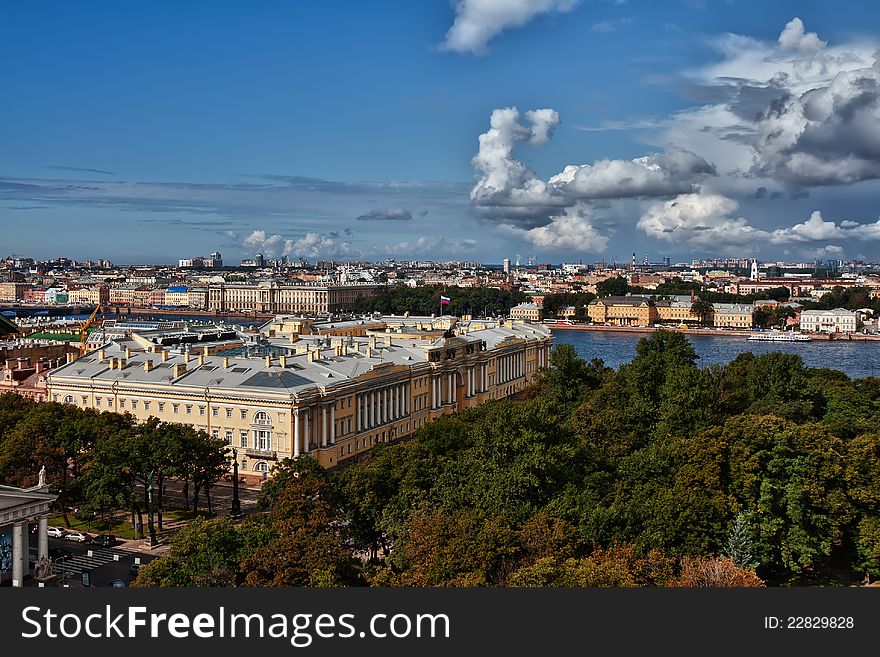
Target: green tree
616,286
704,310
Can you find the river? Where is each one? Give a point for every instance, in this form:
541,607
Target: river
855,359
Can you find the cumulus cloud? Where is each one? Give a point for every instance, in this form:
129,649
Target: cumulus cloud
264,243
701,219
813,229
663,174
511,193
570,231
709,219
794,38
391,214
478,21
798,112
319,245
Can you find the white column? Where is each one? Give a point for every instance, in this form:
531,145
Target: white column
399,398
357,412
433,391
20,560
323,425
43,537
296,433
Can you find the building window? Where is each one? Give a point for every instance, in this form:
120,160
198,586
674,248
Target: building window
215,412
215,434
134,403
161,407
189,409
262,439
243,439
349,425
243,414
97,401
121,403
228,437
175,408
261,417
68,399
229,412
261,466
201,410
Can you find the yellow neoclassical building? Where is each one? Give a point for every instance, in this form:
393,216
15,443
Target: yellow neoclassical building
330,396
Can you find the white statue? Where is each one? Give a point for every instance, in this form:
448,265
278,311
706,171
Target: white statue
42,475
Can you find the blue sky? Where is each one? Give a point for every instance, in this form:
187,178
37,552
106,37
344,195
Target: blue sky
155,131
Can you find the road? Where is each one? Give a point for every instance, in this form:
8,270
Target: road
221,497
103,564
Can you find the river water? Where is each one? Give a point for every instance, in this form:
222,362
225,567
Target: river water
856,359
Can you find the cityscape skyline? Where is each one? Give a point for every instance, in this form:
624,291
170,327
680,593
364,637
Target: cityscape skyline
671,130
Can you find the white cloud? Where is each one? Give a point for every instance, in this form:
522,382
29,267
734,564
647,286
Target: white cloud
478,21
701,219
511,193
264,243
798,112
814,229
794,38
318,245
570,231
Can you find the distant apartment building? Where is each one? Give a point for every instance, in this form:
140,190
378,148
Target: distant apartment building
97,295
623,311
13,291
294,299
732,315
531,311
838,320
676,310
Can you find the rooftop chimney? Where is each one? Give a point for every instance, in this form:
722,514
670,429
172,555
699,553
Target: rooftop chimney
127,352
283,361
268,361
71,357
179,370
201,360
164,355
368,352
313,356
148,366
226,362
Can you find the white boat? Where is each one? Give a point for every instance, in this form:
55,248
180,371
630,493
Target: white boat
780,336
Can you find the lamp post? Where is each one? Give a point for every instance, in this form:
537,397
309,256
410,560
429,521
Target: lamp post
151,529
236,505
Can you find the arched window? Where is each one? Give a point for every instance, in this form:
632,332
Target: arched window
261,466
68,399
261,417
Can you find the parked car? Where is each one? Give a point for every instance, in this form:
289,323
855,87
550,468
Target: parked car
55,532
104,540
135,569
118,583
79,537
59,553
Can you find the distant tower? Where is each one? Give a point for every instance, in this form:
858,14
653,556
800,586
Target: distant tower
217,260
754,274
634,260
259,260
517,260
507,265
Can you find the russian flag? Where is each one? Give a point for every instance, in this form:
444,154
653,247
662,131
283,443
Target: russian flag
444,300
